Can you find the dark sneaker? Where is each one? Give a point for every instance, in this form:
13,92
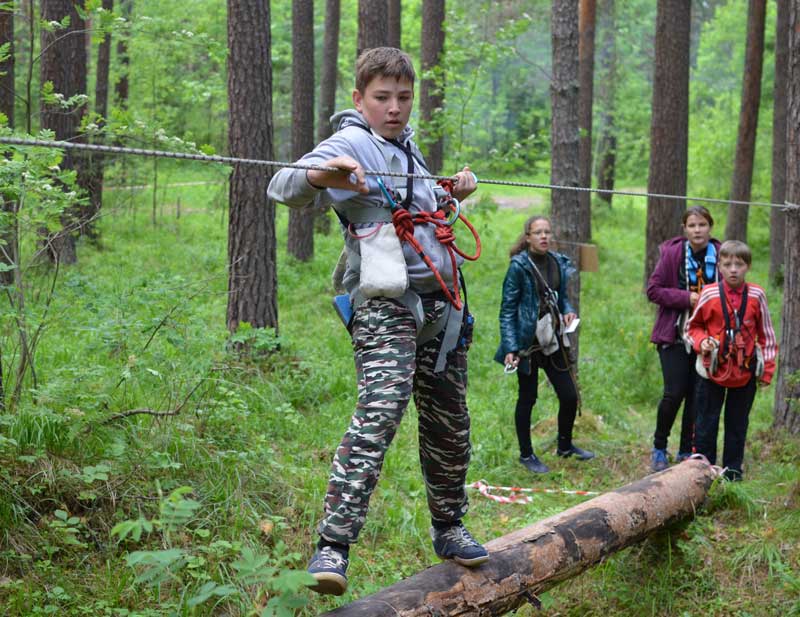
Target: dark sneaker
733,475
658,460
682,456
579,453
532,463
329,567
457,544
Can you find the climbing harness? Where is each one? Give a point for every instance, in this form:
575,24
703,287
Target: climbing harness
518,494
404,222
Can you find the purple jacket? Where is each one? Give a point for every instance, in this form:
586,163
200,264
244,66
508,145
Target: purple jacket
663,290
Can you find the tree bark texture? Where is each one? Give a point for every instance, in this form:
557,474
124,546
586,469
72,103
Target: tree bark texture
787,394
777,223
122,87
431,98
529,561
669,126
607,143
395,24
63,62
252,275
7,89
564,136
736,227
373,26
329,69
8,238
586,28
300,240
95,159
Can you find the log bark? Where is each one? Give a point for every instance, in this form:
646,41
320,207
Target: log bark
529,561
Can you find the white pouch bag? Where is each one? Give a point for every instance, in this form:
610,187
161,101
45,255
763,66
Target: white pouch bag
383,265
546,335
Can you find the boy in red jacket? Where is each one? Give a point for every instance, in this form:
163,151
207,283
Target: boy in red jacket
731,331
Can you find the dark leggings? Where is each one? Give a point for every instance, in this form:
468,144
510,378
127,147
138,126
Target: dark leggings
680,383
567,405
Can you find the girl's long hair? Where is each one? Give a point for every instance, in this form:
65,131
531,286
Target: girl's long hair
522,242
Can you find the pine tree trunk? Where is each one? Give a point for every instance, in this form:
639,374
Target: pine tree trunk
607,146
329,69
586,29
777,223
669,128
373,26
300,242
564,136
736,228
122,87
787,395
63,62
7,91
252,278
395,28
529,561
430,92
101,109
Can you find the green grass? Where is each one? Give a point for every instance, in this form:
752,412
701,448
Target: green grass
139,324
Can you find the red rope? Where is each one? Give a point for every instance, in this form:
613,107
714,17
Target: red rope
404,223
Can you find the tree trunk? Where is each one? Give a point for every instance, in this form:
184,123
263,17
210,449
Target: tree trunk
8,237
395,24
736,228
63,63
252,276
787,393
777,223
373,27
300,242
669,126
430,91
121,88
586,28
607,146
101,109
329,70
532,560
7,90
564,136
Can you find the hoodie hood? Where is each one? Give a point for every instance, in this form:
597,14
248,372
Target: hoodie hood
350,117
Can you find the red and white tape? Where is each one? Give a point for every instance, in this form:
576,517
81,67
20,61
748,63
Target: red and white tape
519,494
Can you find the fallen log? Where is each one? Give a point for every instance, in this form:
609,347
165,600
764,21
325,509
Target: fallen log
529,561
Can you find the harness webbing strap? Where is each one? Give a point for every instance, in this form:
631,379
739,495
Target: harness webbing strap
730,332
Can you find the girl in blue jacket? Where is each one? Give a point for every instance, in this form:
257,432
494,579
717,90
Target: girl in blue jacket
535,286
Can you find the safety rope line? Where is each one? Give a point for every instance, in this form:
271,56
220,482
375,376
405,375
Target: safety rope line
230,160
518,494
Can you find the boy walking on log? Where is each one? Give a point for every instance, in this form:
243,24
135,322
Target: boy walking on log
410,330
731,331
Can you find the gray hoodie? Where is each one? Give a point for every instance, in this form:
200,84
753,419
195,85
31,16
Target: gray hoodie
291,187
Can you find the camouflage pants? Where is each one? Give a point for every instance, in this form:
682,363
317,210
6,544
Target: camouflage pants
390,367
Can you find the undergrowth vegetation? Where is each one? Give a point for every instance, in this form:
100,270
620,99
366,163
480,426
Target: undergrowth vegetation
152,472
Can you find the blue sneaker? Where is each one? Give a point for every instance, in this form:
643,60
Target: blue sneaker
578,453
329,567
456,543
659,460
533,464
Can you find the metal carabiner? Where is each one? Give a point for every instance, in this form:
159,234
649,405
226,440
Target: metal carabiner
392,203
457,210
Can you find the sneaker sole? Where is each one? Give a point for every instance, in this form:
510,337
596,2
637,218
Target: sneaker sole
469,563
329,583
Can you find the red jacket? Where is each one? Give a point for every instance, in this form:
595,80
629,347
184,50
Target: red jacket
707,320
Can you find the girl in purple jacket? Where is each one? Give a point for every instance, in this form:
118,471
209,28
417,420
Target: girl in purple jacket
686,264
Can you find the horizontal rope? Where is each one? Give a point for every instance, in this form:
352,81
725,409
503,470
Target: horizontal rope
230,160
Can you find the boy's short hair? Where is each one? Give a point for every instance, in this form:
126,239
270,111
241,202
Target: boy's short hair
383,62
736,248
